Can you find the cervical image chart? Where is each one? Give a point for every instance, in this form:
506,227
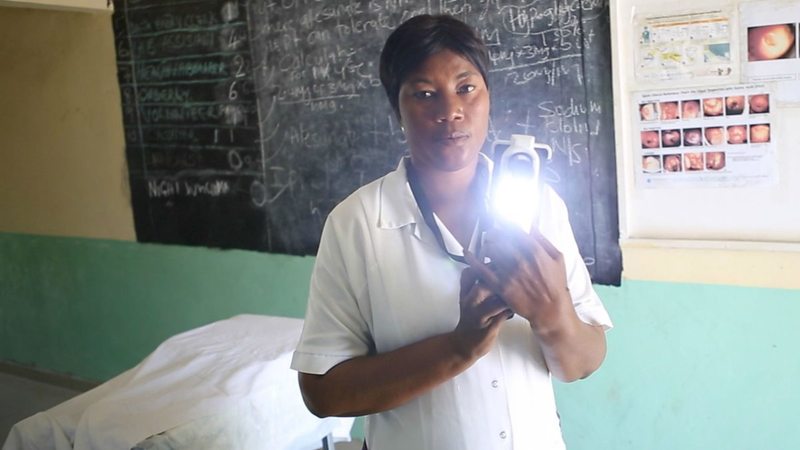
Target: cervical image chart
714,137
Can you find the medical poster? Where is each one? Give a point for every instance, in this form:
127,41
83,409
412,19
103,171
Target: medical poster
770,48
690,47
714,137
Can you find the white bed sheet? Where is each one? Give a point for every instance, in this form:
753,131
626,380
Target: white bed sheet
224,385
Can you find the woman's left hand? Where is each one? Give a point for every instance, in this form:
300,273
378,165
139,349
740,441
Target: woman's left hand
528,273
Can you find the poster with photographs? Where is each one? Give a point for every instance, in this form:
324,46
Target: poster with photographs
771,30
695,47
715,137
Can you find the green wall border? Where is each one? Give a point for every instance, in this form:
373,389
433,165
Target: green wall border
93,308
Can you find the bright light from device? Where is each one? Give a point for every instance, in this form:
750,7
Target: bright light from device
515,200
515,195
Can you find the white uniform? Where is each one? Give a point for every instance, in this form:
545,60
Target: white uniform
381,281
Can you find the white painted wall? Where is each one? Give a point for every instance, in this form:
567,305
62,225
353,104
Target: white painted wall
669,234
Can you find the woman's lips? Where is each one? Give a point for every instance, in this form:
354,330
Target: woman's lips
454,137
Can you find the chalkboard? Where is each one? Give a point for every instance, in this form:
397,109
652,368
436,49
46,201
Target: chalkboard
246,122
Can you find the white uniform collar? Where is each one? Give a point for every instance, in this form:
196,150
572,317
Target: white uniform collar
397,205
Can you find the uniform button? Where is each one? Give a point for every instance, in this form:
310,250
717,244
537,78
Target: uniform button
495,383
503,435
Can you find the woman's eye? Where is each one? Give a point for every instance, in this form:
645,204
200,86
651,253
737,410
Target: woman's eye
422,95
465,89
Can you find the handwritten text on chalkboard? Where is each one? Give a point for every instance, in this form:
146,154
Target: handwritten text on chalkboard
247,121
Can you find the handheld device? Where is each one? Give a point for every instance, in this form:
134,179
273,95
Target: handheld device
515,180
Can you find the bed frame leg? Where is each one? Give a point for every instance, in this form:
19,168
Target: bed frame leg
327,443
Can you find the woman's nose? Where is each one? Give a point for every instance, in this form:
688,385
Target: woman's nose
450,109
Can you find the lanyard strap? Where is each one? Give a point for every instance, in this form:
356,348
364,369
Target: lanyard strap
479,183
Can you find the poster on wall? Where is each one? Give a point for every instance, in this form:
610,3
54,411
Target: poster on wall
770,49
689,47
712,137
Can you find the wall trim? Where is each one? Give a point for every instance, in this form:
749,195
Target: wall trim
734,263
44,376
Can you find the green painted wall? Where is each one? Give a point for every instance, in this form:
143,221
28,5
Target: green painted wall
93,308
689,366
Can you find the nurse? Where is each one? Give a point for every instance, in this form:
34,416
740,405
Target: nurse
404,323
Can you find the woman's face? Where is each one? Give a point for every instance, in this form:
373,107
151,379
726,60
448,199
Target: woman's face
444,108
769,42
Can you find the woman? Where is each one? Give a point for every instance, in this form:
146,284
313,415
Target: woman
440,350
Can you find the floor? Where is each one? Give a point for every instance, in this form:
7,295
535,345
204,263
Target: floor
21,397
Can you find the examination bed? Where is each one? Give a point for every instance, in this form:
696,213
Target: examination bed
226,385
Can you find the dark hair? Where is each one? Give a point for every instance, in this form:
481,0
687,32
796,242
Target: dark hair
420,37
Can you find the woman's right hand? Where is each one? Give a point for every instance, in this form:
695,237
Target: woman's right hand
482,313
370,384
